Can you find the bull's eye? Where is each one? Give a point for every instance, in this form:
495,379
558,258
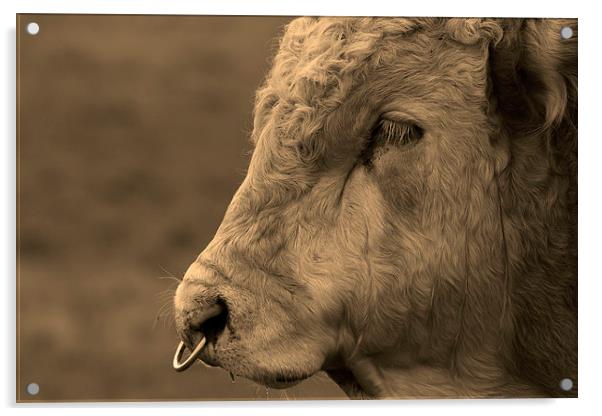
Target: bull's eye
387,134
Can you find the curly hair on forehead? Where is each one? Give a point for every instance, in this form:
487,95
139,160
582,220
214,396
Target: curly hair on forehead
319,58
320,61
318,48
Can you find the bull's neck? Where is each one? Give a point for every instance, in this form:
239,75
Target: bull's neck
365,378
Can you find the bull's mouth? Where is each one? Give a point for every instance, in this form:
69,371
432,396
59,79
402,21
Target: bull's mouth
283,381
274,384
199,352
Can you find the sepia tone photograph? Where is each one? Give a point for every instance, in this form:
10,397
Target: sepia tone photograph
295,208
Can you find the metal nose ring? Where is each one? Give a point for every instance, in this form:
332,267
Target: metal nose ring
184,365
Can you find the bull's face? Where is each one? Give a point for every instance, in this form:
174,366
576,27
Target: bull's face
369,209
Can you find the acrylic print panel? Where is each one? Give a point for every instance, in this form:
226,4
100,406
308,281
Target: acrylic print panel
314,208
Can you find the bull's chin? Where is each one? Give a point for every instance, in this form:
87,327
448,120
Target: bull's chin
275,381
281,382
343,378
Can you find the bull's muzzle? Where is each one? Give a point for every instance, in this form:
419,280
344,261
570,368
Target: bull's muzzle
200,319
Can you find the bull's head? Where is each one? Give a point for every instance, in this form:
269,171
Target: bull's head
407,219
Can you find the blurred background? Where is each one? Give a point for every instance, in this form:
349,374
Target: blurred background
132,138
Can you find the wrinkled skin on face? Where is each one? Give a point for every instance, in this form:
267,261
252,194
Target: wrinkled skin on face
397,262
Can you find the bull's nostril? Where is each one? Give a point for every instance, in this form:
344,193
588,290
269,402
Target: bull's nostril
197,327
200,318
214,325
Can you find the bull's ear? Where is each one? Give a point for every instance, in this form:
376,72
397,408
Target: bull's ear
533,71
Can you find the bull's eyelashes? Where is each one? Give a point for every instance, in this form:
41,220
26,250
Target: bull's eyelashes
389,133
397,133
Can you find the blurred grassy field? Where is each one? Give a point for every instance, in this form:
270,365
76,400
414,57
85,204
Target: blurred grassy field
133,136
